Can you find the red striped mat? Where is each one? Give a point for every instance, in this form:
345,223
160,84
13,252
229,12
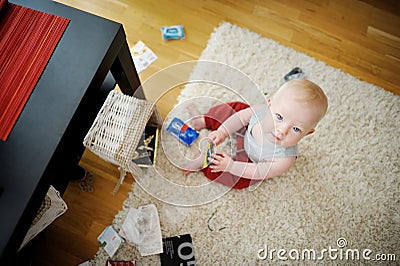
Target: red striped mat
27,41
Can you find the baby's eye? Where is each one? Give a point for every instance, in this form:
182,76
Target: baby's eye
296,129
279,117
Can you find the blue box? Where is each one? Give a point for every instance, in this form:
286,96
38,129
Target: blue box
182,131
172,32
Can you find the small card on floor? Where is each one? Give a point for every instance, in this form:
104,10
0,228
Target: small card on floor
142,56
110,240
178,250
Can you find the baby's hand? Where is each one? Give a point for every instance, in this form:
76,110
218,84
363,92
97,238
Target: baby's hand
217,137
221,162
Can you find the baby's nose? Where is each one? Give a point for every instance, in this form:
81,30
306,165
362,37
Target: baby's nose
283,130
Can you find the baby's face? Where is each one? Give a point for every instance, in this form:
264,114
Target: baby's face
293,120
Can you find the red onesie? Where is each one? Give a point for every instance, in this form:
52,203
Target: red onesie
213,119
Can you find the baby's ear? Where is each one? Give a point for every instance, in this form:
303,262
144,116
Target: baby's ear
310,132
269,101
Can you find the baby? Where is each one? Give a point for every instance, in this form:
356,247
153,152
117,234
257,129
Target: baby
267,135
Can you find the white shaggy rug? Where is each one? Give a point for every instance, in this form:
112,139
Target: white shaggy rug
339,204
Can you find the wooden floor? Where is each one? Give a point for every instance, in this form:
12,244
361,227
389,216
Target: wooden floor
360,37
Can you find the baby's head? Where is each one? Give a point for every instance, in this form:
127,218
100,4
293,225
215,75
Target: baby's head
297,107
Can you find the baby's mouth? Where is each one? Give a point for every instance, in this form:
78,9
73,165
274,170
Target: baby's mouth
276,138
273,138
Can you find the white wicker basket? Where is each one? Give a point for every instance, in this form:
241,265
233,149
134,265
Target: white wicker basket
117,129
52,207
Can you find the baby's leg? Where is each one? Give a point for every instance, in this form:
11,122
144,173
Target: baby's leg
197,121
215,116
196,118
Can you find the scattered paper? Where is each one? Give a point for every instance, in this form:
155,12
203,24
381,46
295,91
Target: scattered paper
142,56
141,227
135,226
110,240
152,242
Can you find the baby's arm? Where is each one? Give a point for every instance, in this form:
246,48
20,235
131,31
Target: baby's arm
256,171
230,125
262,170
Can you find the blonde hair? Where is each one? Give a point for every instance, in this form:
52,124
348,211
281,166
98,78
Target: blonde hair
303,90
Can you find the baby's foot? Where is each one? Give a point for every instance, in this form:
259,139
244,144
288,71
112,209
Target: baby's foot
194,165
196,118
